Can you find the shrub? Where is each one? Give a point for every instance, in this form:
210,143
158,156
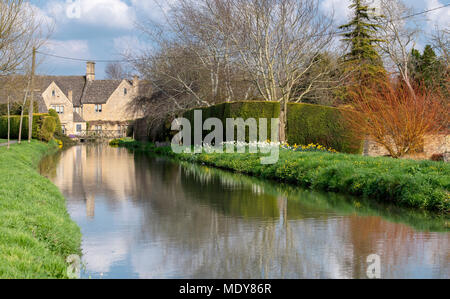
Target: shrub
397,117
48,129
437,157
58,130
307,123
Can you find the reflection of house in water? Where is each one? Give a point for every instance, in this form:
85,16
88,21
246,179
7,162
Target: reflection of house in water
90,206
89,167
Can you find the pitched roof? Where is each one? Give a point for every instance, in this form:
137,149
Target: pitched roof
77,118
99,91
66,84
83,92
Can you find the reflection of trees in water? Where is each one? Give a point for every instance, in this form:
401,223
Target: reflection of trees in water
206,215
398,245
212,235
199,222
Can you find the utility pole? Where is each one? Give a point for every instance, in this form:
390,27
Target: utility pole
30,111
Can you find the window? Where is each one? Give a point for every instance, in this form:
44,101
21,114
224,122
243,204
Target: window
125,91
78,128
63,127
98,128
77,110
98,108
58,108
53,93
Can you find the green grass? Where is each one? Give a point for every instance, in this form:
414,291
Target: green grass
415,184
36,231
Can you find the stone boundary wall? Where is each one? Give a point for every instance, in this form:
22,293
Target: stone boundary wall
433,144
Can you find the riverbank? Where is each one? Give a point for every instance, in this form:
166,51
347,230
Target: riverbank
37,233
413,184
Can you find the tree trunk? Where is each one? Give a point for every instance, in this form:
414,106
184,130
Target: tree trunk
31,109
283,121
9,125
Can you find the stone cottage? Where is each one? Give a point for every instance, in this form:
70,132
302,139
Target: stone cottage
84,103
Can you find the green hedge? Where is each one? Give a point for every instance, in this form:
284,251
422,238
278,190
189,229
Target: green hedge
38,120
15,108
324,125
307,123
244,110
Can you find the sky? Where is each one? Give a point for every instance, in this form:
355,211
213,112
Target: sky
103,29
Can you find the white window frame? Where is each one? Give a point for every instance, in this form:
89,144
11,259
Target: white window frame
98,108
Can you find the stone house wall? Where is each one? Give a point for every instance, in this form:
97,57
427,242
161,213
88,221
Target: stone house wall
115,109
53,96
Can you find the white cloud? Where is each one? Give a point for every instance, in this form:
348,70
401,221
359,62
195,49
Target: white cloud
439,18
340,8
106,13
155,10
68,48
129,44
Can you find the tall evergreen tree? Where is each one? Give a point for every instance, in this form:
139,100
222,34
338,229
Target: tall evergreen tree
430,70
363,59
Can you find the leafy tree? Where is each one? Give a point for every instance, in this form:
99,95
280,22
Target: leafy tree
363,59
429,69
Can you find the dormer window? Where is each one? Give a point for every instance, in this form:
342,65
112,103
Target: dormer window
125,91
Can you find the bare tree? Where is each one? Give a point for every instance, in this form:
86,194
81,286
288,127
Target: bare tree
116,71
278,42
441,42
20,31
398,38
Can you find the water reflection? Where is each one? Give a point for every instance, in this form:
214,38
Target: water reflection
152,218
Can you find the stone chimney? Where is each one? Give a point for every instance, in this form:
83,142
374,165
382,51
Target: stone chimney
135,81
70,95
90,71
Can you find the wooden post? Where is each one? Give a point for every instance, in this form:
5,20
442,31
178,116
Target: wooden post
30,112
9,124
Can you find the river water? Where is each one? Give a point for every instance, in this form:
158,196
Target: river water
151,217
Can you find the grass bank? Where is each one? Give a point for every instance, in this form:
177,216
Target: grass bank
414,184
36,232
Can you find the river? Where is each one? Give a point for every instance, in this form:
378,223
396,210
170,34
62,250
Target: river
152,217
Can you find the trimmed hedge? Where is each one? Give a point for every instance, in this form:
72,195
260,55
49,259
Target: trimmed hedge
38,121
308,123
244,110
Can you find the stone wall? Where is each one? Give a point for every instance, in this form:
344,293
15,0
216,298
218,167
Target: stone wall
435,144
115,109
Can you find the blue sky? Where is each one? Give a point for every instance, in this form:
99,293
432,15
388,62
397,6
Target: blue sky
103,29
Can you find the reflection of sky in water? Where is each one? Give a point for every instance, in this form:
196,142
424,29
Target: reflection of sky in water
151,218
